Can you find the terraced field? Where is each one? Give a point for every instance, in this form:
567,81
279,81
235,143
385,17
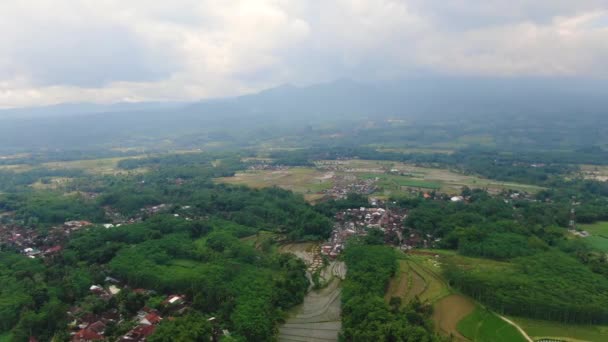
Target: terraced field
318,317
416,278
419,276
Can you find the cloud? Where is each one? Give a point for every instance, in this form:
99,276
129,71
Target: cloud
106,51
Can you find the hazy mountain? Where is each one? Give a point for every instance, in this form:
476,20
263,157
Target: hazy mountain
424,100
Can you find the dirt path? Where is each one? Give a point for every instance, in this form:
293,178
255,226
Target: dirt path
521,331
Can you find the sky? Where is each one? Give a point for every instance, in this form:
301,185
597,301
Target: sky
104,51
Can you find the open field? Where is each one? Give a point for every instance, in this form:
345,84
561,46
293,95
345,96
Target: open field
419,276
599,235
307,181
450,310
392,178
406,150
408,175
568,332
484,326
105,166
595,172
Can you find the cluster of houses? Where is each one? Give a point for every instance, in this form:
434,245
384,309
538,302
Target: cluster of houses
349,184
358,221
86,326
33,244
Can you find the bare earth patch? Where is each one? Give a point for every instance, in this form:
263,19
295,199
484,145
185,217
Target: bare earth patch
449,311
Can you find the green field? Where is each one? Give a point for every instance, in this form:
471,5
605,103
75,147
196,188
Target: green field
394,182
485,326
6,337
569,332
599,235
304,180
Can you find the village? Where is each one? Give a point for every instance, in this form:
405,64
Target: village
358,222
88,326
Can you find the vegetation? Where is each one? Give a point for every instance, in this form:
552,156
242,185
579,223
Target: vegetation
365,314
484,326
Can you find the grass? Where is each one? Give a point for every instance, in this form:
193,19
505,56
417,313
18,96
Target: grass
6,337
395,182
450,310
102,166
570,332
417,276
312,181
595,172
429,177
484,326
599,235
304,180
258,240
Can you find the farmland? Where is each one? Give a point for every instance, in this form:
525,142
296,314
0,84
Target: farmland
485,326
454,314
307,181
418,276
391,178
318,317
449,311
569,332
103,166
599,235
595,172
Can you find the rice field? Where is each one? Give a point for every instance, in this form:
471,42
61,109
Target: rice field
304,180
409,175
393,178
318,317
103,166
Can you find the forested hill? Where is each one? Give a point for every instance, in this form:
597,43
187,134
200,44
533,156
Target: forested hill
464,106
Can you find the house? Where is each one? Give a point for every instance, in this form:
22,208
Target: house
174,300
86,335
53,250
151,318
138,334
96,289
98,327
